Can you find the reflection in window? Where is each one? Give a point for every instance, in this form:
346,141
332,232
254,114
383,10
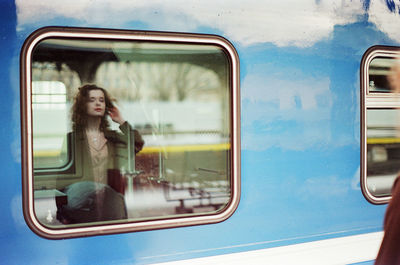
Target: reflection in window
378,72
50,95
381,115
383,149
176,98
49,104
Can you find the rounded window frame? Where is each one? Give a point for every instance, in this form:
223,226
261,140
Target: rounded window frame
373,100
26,130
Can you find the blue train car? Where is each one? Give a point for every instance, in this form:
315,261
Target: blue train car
269,130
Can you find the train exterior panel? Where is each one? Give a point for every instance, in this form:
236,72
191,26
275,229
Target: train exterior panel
300,105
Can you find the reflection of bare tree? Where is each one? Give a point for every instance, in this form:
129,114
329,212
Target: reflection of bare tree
181,80
189,79
161,84
140,80
136,79
158,81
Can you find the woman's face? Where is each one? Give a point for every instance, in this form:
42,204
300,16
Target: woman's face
96,106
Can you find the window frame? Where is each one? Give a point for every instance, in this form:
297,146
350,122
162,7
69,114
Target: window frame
68,165
373,100
27,140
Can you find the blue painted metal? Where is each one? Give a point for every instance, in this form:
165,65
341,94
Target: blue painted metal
300,157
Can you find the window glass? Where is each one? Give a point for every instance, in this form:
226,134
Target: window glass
378,72
48,109
383,149
381,120
126,131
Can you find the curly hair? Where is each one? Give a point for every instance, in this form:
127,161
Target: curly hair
79,108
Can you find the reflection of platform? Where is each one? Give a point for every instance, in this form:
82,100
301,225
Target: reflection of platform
163,200
158,199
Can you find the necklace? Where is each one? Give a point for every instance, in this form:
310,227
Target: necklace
93,136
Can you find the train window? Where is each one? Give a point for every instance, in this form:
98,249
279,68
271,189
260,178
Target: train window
380,116
48,103
126,131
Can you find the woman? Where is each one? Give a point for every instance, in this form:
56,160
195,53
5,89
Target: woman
99,144
100,152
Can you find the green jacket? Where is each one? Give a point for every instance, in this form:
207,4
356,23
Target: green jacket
120,159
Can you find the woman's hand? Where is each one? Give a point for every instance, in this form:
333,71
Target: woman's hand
116,115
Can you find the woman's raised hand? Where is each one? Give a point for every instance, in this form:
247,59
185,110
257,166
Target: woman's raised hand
116,116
